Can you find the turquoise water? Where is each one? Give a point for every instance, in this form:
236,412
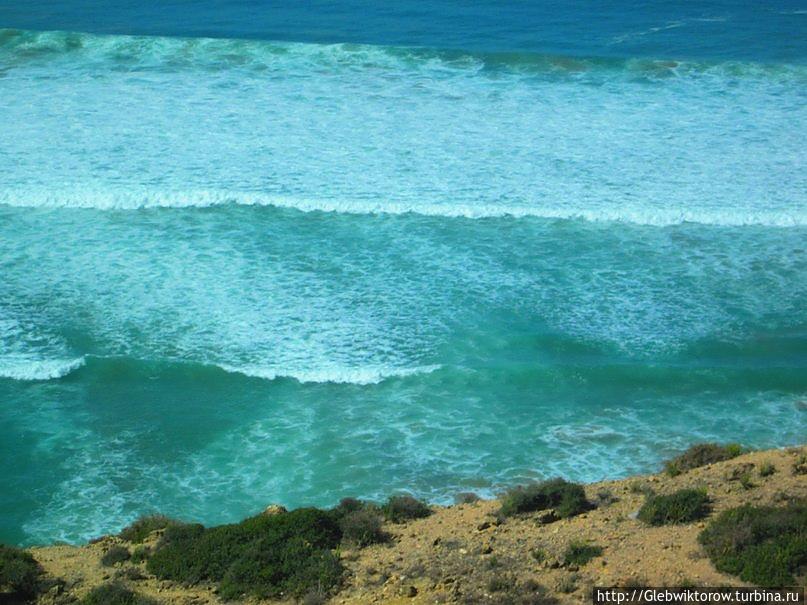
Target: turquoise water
235,272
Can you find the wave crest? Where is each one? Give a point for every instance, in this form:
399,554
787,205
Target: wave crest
336,375
640,214
145,52
44,369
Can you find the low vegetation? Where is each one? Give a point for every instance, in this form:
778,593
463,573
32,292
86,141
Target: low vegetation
466,498
363,527
701,455
403,508
142,528
140,554
683,506
766,469
116,554
800,465
764,545
580,553
263,556
566,499
115,593
19,572
568,583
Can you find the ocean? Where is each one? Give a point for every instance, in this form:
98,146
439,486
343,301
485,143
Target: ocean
260,252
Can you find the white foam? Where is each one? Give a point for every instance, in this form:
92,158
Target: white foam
641,214
20,368
338,375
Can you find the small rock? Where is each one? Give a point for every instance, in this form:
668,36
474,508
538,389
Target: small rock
274,509
633,515
410,591
483,526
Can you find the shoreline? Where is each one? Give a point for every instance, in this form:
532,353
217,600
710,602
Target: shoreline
467,553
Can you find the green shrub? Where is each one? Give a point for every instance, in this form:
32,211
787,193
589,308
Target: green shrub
568,584
402,508
19,572
683,506
130,573
701,455
605,497
116,554
765,545
745,481
567,499
261,556
347,506
766,469
272,567
638,487
140,554
500,583
362,527
115,593
140,529
580,553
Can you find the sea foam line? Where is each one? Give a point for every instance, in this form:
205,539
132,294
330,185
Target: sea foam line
337,375
614,212
27,369
127,51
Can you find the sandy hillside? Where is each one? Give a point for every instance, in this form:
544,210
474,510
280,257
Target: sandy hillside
462,554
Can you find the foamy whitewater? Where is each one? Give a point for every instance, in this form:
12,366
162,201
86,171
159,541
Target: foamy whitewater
235,272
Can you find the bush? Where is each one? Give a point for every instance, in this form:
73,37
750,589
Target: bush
766,469
362,527
140,529
580,553
701,455
116,554
605,497
746,482
19,572
115,593
766,545
466,498
567,584
402,508
140,554
130,573
567,499
683,506
277,566
262,556
348,505
500,583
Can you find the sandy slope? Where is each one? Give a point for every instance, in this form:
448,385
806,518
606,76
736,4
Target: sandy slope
462,554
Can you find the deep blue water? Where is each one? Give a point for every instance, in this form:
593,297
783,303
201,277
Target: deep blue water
723,29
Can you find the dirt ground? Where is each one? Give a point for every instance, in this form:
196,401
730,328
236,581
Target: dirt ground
463,554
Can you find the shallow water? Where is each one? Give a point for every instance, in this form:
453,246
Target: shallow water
240,271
